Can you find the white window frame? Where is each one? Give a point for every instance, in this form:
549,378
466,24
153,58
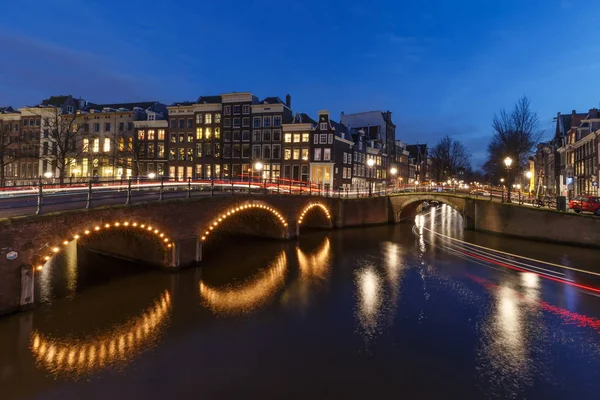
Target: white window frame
330,139
327,151
315,138
323,138
323,126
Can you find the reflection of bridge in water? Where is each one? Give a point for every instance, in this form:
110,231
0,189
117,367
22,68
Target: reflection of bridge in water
249,295
78,357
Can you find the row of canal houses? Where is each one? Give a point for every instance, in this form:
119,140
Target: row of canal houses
224,137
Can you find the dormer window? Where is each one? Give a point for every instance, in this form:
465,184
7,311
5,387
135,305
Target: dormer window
323,126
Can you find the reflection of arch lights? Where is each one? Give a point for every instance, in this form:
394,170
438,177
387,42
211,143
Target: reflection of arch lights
120,344
249,295
310,207
314,264
97,228
234,210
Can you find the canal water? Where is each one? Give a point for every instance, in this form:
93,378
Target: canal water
405,311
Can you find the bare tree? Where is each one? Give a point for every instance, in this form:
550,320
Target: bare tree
449,157
64,133
127,152
516,134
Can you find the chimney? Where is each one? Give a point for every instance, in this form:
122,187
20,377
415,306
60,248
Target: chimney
342,117
573,112
288,101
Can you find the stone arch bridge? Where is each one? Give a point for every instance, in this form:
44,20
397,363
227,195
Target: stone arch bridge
174,233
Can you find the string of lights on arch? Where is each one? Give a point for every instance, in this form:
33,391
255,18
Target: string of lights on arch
98,228
310,207
234,210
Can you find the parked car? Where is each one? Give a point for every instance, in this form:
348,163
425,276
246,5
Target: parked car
585,203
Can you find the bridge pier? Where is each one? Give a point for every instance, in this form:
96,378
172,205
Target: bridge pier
185,252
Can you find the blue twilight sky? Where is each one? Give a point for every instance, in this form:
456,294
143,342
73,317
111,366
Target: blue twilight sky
442,67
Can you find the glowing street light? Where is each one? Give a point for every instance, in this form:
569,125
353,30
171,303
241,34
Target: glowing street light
151,175
508,162
370,163
48,174
528,174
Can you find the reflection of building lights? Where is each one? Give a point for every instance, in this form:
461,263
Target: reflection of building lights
250,295
232,211
86,356
369,298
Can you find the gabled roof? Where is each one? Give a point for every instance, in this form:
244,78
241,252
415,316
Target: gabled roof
272,100
303,118
145,105
209,99
340,130
182,103
9,110
57,100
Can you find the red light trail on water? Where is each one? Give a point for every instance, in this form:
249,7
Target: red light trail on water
573,317
499,263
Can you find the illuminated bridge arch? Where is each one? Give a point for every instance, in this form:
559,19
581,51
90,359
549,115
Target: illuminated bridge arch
117,345
146,229
222,216
308,212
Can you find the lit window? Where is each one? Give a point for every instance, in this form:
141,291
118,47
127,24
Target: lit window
106,146
305,154
217,133
296,138
296,154
287,138
198,133
198,118
287,153
151,134
161,134
86,145
141,134
121,144
326,154
317,154
208,118
305,137
96,145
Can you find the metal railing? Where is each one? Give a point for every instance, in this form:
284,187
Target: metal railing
47,197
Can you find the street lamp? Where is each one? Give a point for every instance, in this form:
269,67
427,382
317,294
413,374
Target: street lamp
259,166
48,174
394,171
370,163
151,175
508,162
